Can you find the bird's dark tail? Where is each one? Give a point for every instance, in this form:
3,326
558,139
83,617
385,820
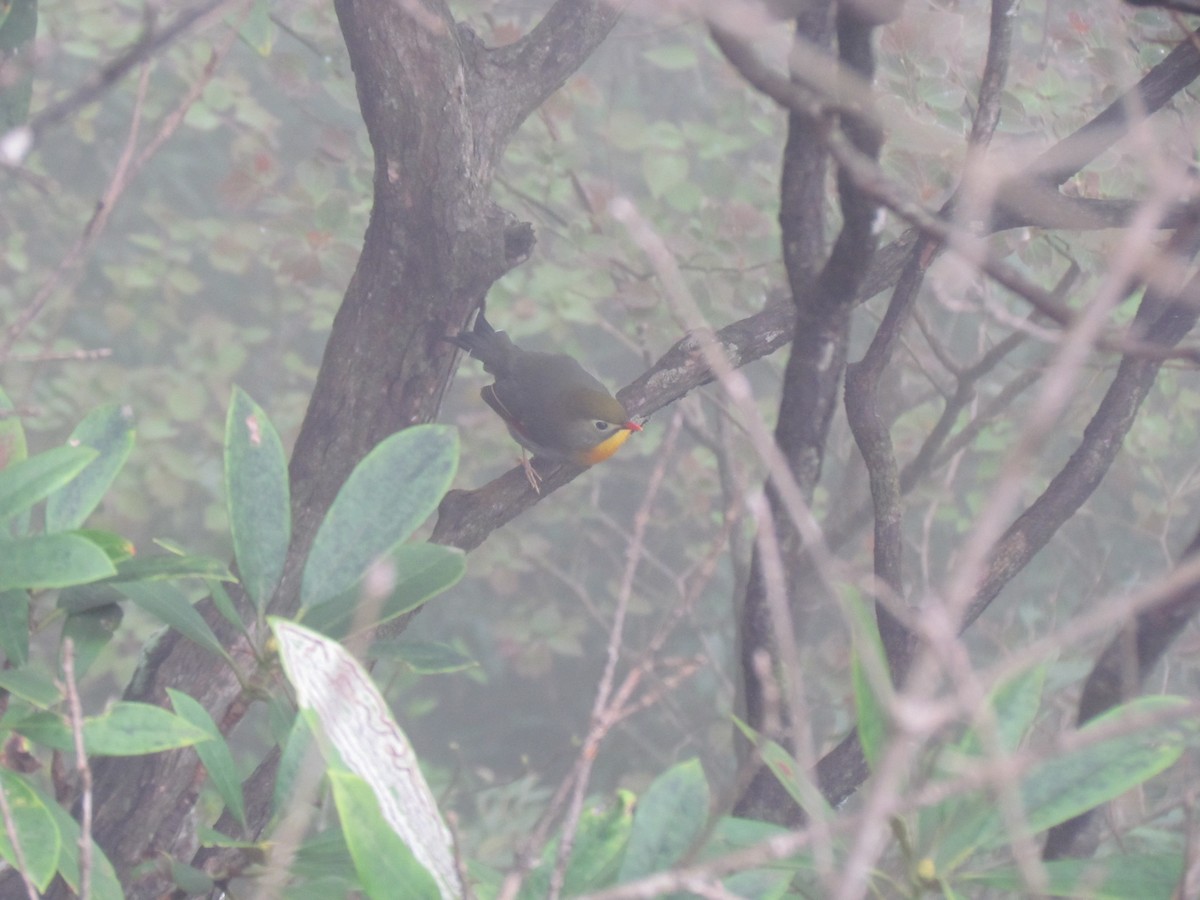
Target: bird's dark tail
491,347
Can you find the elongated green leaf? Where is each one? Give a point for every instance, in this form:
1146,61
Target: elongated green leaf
125,729
391,492
800,787
424,657
192,881
1014,706
1071,783
868,654
36,832
88,596
14,626
131,729
26,482
1132,876
292,759
12,434
109,430
90,631
46,728
769,883
324,854
256,494
117,548
602,837
256,27
421,571
356,720
168,603
18,25
35,687
105,885
215,755
386,866
51,561
1067,785
668,818
224,604
151,568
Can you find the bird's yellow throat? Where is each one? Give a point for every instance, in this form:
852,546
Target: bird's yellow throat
605,448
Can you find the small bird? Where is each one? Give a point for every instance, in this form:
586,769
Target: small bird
551,406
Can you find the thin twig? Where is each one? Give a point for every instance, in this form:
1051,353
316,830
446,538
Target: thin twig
82,768
128,166
602,712
143,49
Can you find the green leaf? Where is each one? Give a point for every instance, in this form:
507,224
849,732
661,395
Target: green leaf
48,729
14,626
125,729
662,171
667,820
384,863
131,729
51,561
153,568
782,764
12,434
1014,706
105,885
169,604
256,27
293,756
1071,783
423,657
1132,876
600,840
769,883
215,755
391,492
36,688
35,830
870,708
24,483
324,855
421,571
256,493
90,630
224,604
673,58
83,597
190,880
115,547
109,431
362,735
18,25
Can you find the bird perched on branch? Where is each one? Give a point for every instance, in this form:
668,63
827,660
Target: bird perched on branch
551,405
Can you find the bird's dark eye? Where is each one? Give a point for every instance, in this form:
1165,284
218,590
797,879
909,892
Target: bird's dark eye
602,426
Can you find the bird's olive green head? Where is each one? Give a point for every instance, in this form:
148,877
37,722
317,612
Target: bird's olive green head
591,425
599,405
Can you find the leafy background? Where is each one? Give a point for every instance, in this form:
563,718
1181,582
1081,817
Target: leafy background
226,258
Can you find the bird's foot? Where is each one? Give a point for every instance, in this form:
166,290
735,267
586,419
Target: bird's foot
531,475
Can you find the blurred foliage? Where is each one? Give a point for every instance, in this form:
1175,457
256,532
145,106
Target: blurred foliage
226,258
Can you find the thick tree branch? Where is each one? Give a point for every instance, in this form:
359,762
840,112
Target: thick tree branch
862,379
508,83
